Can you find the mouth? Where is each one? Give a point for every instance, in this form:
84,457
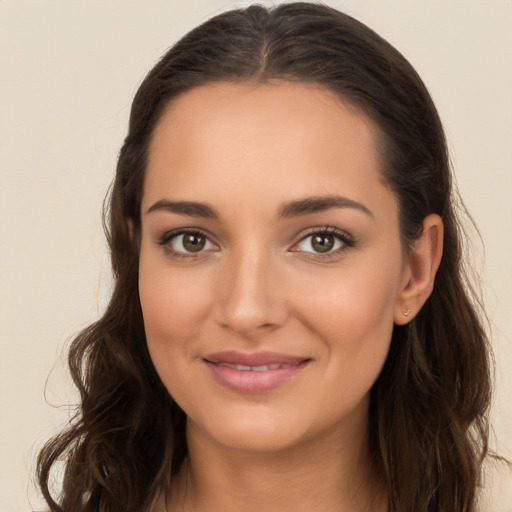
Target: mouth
247,368
254,372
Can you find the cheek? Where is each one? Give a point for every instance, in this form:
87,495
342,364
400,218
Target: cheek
174,309
169,309
351,302
352,312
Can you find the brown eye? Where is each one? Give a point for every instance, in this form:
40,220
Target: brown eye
187,243
194,242
323,242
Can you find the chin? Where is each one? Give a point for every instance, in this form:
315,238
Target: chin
250,433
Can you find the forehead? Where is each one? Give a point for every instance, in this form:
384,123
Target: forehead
279,138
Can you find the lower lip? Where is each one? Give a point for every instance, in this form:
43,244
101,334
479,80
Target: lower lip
253,381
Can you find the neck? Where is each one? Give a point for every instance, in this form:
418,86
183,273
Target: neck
325,475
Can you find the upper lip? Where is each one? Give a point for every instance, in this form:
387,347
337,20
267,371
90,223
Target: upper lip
254,358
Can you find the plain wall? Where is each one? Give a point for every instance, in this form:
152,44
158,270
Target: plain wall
68,73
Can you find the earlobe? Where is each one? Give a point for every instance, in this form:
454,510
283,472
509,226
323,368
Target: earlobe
424,260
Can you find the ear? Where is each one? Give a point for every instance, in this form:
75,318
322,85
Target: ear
420,270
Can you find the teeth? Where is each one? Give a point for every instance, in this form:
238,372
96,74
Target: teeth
261,368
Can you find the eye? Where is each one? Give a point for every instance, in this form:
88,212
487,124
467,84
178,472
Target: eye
185,243
325,241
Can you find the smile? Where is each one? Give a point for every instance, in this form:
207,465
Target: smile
261,368
255,372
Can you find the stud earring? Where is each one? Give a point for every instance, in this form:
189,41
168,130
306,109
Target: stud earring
406,311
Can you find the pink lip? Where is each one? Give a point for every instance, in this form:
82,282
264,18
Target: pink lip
231,369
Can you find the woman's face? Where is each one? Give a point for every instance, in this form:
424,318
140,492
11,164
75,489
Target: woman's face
271,264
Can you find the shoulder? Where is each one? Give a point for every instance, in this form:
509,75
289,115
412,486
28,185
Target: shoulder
496,493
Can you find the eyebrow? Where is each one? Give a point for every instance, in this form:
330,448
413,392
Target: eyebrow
320,204
190,208
292,209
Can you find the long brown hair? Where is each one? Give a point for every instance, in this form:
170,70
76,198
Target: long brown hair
428,423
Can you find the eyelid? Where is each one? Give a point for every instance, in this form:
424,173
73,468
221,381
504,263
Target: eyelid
346,239
168,236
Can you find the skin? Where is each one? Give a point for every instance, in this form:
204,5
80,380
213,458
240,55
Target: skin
259,284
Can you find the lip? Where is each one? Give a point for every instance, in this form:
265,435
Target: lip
254,372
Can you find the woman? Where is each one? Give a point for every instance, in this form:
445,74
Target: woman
290,327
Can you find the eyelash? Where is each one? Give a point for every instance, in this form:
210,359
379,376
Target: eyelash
345,238
167,237
347,241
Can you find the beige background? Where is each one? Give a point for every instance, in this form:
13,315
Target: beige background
69,70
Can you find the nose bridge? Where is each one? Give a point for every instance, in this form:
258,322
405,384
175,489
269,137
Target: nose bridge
250,299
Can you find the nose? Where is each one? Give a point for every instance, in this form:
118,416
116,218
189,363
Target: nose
250,299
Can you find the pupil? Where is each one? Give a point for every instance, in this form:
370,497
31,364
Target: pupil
322,243
194,243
